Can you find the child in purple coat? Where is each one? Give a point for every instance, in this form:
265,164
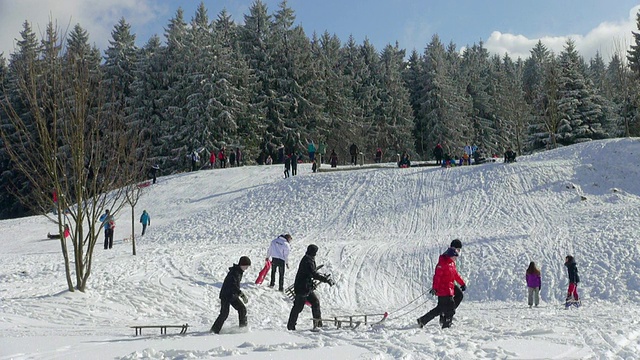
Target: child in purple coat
534,283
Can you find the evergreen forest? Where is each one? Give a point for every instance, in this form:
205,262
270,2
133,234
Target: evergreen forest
263,83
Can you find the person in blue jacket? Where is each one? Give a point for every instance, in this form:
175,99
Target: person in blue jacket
145,220
109,225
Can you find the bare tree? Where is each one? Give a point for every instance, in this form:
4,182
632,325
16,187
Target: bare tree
68,145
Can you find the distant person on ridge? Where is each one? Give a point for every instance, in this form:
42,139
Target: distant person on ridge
195,159
353,151
294,164
312,151
333,159
509,156
287,166
223,158
238,157
378,156
444,279
230,295
438,153
534,284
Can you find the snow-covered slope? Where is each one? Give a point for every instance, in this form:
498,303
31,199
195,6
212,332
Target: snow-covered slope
380,232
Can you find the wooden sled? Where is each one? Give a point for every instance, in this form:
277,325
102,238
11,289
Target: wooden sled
353,321
163,328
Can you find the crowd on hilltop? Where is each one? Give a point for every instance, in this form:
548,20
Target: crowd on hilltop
290,155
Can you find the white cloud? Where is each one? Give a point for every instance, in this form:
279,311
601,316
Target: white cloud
607,38
96,16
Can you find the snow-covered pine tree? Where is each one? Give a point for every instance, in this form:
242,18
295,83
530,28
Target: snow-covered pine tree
580,115
393,127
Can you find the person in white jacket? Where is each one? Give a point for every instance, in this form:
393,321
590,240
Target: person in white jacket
278,253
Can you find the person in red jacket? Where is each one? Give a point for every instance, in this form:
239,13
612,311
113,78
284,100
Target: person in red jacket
444,279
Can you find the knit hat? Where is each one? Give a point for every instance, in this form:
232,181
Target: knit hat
312,250
456,244
244,260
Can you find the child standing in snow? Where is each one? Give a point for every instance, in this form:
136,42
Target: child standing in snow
230,295
534,283
574,279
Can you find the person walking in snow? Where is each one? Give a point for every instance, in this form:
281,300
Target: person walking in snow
223,158
311,148
195,159
304,290
145,220
232,158
154,172
378,156
278,254
509,156
287,166
294,164
238,157
574,279
109,224
231,295
353,151
444,279
212,159
534,283
438,153
333,159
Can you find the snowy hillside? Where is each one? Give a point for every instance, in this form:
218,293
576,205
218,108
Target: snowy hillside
380,232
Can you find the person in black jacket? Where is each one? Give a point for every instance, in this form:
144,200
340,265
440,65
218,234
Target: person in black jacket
230,295
574,279
303,287
509,156
287,166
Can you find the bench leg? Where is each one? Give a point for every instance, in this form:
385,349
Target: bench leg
163,330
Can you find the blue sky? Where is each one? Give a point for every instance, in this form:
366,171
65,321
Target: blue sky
503,25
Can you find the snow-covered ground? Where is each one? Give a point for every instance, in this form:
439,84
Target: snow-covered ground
380,232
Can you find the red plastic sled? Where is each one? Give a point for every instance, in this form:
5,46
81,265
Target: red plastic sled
263,272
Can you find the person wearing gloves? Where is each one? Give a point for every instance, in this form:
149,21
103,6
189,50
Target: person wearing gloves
230,295
534,283
278,253
303,287
444,279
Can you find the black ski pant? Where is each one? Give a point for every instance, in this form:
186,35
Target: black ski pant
144,228
294,170
446,307
277,264
108,238
298,306
224,313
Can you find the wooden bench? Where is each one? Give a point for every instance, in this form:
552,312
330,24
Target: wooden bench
163,328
